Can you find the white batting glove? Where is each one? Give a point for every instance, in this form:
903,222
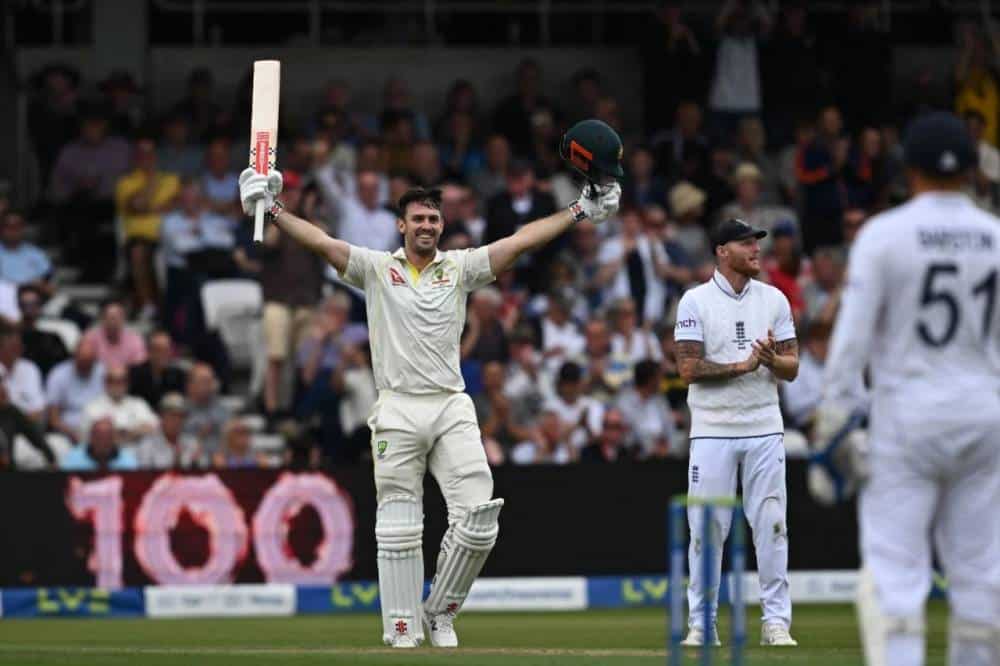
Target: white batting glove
255,186
600,207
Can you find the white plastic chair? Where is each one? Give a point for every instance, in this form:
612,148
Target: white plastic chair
67,331
233,308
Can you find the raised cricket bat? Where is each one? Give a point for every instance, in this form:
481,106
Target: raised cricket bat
264,127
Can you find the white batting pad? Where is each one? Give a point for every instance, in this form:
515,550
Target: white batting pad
464,550
399,527
973,644
877,628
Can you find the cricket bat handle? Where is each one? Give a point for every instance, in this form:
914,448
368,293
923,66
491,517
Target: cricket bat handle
258,222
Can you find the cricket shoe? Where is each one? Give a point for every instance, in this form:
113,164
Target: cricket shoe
776,634
401,636
696,637
442,629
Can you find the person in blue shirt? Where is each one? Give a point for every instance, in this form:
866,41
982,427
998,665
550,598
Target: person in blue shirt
101,452
22,263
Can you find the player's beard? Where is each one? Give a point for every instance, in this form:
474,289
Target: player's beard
423,249
747,268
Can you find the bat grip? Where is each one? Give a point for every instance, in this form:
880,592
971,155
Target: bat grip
258,222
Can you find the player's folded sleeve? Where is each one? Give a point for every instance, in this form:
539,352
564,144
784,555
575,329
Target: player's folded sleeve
688,324
361,263
476,270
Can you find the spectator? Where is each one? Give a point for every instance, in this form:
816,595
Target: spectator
121,100
178,153
525,385
588,89
786,266
670,44
484,338
790,68
683,143
425,165
788,161
132,417
605,371
584,253
676,270
508,211
236,452
53,114
822,294
71,386
862,62
688,205
802,395
21,377
975,82
561,337
461,98
514,114
491,179
865,174
673,387
853,220
717,182
749,206
116,344
197,246
354,383
292,282
819,167
752,148
157,375
43,348
206,414
493,411
643,186
579,414
469,214
22,263
460,150
648,412
633,265
735,91
629,340
220,183
549,445
545,135
198,107
169,447
141,197
986,178
610,446
14,422
361,219
397,101
100,452
397,138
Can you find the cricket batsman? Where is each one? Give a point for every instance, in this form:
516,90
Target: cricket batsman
920,312
735,339
423,420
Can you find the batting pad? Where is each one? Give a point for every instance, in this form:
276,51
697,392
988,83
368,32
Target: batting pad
399,528
464,550
878,629
973,644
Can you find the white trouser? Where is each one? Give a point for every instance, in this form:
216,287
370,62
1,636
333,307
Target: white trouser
941,484
412,434
712,473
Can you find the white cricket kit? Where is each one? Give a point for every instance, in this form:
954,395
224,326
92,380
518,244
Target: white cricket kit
736,423
920,310
423,421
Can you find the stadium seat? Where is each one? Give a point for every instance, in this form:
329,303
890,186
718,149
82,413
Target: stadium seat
233,308
67,330
27,457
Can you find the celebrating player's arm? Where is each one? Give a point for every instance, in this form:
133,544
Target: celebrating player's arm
781,358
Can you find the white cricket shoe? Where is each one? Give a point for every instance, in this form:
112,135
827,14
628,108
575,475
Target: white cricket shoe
442,629
696,637
401,636
776,634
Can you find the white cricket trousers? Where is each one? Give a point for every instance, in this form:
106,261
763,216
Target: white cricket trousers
940,483
412,434
712,469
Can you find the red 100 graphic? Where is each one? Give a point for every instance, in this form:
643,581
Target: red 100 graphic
212,505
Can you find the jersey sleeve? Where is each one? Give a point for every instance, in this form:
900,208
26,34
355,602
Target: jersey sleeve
360,264
476,270
784,324
688,326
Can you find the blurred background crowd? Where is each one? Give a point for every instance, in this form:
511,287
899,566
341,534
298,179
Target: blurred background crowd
750,112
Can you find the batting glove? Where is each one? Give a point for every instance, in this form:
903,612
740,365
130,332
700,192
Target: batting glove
597,202
255,187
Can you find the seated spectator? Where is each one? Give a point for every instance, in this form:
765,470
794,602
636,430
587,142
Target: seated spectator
643,187
493,411
525,385
491,179
122,102
677,271
206,414
14,422
633,265
673,387
45,349
460,150
236,453
199,106
786,266
71,386
645,408
819,169
584,252
561,337
142,196
579,415
549,445
610,446
425,165
513,115
821,294
802,396
354,382
132,417
220,184
100,451
21,377
484,339
752,142
684,142
749,206
116,344
688,205
22,263
157,375
168,447
178,153
628,339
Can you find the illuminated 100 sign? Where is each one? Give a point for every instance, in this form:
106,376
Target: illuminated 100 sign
212,505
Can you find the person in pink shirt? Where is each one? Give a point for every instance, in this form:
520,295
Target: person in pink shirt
116,344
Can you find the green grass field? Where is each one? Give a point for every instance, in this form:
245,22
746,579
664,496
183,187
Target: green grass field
827,636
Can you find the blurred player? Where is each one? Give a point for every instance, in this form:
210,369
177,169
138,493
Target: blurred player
423,420
734,339
920,311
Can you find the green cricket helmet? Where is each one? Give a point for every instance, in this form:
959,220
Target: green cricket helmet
594,149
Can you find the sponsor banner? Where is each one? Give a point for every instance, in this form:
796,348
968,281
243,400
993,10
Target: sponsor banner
271,599
359,596
527,594
72,602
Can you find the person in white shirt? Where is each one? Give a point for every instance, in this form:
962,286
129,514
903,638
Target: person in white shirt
561,338
734,339
71,386
579,415
132,417
21,377
423,420
362,219
920,311
630,341
648,413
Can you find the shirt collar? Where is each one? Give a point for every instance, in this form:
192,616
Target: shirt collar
401,255
722,283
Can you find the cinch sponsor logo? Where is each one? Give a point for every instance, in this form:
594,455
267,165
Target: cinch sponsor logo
686,323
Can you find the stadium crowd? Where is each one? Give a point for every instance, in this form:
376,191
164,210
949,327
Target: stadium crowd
569,357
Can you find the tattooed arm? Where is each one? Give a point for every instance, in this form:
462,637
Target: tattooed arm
693,367
781,358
